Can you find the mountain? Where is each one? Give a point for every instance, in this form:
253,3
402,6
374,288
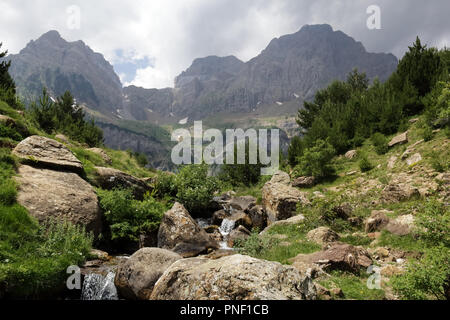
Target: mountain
223,91
52,62
291,68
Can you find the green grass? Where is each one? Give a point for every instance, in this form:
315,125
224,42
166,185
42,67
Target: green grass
352,286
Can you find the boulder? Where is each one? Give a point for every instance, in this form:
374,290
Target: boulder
400,139
7,121
291,221
415,158
240,233
258,216
214,233
393,193
280,199
219,216
102,154
49,153
339,256
391,162
180,233
304,182
322,235
244,203
281,177
351,154
343,211
377,221
240,218
136,276
234,277
109,178
401,226
62,195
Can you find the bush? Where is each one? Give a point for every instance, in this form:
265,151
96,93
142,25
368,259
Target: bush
427,134
165,185
380,142
433,223
316,161
195,189
364,164
428,278
295,150
129,218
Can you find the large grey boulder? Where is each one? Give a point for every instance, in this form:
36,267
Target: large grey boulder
61,195
280,199
47,152
179,232
400,139
136,276
234,277
109,178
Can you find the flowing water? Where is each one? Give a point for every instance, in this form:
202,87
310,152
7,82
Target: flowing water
98,287
225,229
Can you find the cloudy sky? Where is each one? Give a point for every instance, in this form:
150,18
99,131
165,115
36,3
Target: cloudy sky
149,42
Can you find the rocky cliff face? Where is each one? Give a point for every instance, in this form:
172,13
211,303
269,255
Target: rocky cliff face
58,65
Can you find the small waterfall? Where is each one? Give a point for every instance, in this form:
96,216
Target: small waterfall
226,227
97,287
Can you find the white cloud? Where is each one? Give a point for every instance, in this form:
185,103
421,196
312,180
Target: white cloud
173,33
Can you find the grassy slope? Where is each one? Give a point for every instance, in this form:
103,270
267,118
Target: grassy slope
362,191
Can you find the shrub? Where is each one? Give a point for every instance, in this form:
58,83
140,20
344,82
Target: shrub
129,218
364,164
165,185
316,161
426,279
380,142
295,150
433,223
427,133
195,189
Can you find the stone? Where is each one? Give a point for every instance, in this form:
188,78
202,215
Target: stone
355,221
180,233
391,162
244,203
393,193
322,235
281,177
259,217
339,256
391,270
45,152
343,211
234,277
240,233
382,252
377,221
48,194
7,121
240,218
401,226
351,154
291,221
102,154
280,199
400,139
109,179
304,182
219,216
136,276
412,121
414,159
100,255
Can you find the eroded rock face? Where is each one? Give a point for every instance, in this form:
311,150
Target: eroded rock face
338,257
47,152
136,276
109,178
280,199
234,277
61,195
180,233
322,235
